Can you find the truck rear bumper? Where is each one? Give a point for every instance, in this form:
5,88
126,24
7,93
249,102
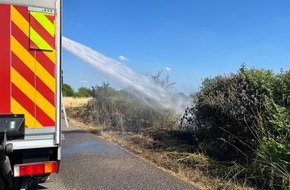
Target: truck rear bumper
36,138
33,144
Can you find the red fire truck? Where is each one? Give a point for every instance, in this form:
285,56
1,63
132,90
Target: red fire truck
30,90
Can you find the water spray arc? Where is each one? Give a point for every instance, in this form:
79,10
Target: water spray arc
141,85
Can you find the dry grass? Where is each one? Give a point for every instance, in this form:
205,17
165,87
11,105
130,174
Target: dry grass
70,102
162,150
192,168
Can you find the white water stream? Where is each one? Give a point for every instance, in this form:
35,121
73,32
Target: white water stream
142,86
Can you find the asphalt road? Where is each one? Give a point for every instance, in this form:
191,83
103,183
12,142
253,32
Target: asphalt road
89,162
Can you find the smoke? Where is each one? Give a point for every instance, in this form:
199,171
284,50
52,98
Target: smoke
140,85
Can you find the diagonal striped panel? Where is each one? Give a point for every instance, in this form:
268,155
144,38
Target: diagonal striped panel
31,63
18,18
32,73
51,55
21,31
32,94
42,31
30,107
29,119
32,79
44,20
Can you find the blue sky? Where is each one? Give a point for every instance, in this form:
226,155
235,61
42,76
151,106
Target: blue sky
188,39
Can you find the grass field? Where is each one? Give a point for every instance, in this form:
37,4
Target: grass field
75,102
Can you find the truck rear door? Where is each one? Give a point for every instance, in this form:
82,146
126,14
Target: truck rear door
30,72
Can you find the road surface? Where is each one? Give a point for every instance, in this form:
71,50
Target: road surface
89,162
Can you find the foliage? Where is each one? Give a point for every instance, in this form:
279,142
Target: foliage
282,89
163,82
245,118
239,121
229,116
67,90
83,92
125,112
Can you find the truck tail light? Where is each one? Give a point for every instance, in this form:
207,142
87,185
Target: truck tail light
32,169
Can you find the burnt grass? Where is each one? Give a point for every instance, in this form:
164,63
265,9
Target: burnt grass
173,140
177,151
163,139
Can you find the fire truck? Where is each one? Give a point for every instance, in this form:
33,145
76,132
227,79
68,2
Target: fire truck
30,91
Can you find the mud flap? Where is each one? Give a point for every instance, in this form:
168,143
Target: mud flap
6,171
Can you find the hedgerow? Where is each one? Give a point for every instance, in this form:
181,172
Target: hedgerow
245,118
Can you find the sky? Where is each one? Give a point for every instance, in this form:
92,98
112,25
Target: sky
188,40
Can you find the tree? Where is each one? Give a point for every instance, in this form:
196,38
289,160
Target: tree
102,92
163,82
83,92
67,90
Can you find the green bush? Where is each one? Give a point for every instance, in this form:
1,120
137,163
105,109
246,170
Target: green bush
282,89
67,90
83,92
230,115
272,161
245,118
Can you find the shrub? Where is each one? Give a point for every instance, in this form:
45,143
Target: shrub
122,111
272,160
245,118
282,89
67,90
229,116
83,92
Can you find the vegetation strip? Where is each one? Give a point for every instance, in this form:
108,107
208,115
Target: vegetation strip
189,167
236,132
